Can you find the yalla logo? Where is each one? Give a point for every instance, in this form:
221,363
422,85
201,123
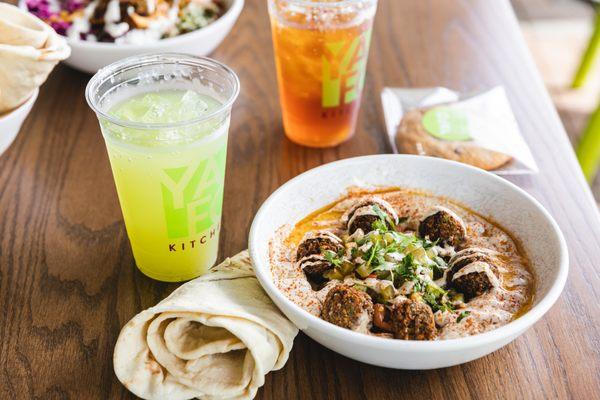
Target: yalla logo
192,196
344,64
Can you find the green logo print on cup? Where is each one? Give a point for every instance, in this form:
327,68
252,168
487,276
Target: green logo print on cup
344,64
192,195
447,123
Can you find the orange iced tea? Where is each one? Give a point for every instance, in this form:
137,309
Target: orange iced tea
321,51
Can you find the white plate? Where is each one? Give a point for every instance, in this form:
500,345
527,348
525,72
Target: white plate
482,191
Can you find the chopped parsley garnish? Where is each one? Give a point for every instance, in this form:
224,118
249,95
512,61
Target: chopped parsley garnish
384,222
406,269
333,258
380,225
436,297
382,216
462,315
402,262
427,244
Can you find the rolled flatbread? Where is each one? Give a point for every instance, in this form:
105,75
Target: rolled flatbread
215,337
29,50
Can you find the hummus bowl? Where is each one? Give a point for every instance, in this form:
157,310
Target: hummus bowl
484,193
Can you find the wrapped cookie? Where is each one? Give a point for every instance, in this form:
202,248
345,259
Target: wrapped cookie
478,130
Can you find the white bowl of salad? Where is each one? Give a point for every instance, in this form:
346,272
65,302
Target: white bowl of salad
101,32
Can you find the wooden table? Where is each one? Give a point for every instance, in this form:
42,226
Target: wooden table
67,276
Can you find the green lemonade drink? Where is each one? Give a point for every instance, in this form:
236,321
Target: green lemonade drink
174,192
167,144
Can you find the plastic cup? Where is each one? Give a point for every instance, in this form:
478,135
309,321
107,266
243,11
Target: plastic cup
169,173
321,50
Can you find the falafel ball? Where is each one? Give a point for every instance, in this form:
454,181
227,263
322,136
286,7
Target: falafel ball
468,251
317,243
364,222
475,279
413,320
364,213
349,308
470,255
444,226
314,268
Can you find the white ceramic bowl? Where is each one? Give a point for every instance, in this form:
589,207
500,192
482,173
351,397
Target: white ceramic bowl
483,192
91,56
10,123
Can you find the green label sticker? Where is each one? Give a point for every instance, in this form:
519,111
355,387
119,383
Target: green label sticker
192,195
343,74
447,124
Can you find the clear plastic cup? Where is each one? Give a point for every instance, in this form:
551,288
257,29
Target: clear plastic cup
165,120
321,50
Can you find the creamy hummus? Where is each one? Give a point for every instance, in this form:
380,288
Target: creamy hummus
512,281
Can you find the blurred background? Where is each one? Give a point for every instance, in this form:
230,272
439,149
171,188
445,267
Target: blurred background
558,33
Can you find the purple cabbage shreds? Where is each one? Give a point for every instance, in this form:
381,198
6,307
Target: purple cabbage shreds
40,8
54,12
73,5
60,27
46,9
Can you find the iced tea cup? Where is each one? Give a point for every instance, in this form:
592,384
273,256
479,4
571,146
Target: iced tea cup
321,50
165,120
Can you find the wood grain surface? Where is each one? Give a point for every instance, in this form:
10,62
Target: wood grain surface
67,276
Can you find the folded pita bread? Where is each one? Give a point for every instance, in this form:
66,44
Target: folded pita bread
215,337
29,50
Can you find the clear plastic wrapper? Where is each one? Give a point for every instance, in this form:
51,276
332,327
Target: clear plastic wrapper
477,129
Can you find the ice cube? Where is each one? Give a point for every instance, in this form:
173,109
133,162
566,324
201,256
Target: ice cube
192,105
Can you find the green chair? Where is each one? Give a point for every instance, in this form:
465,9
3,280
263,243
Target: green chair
589,55
588,149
